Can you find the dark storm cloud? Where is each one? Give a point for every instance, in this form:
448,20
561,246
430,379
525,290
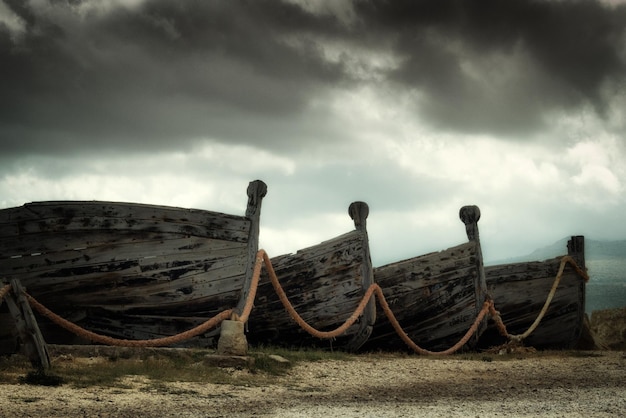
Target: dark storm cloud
169,72
164,72
574,47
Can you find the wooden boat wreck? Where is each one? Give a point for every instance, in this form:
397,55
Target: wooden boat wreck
520,290
130,271
324,283
435,297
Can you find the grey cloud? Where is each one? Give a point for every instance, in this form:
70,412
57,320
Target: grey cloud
170,73
574,48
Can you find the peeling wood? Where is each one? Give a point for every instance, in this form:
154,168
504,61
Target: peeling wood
27,327
435,297
324,283
520,290
108,262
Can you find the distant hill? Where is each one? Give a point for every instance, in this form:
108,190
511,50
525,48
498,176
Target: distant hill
594,250
606,265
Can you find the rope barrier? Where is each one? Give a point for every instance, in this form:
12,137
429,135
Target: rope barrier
520,337
374,291
419,350
103,339
298,319
3,292
156,342
254,284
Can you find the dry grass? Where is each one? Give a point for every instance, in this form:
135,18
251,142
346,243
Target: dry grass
185,366
190,366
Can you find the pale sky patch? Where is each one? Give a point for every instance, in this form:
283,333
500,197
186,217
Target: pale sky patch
13,22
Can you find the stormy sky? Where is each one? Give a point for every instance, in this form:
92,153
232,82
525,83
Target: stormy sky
415,107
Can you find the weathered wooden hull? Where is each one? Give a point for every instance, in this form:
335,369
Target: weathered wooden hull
324,283
128,270
435,297
519,292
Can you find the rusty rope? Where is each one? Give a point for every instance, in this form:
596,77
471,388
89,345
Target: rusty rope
103,339
157,342
3,292
254,284
298,319
408,341
520,337
262,258
373,291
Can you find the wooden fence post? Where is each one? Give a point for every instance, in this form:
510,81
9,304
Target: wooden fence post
27,328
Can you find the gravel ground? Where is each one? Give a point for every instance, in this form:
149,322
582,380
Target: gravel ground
572,384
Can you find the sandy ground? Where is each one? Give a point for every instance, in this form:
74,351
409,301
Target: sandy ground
583,384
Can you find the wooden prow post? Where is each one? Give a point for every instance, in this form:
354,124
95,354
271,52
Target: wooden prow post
576,250
359,212
256,192
232,339
27,327
470,215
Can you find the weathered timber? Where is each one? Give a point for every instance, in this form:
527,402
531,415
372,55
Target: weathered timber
324,283
435,297
130,270
256,192
27,328
519,291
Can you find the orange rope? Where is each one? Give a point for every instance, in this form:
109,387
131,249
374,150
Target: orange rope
408,341
298,319
3,292
254,284
373,291
262,258
157,342
520,337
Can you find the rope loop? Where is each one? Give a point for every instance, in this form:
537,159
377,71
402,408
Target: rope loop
374,291
156,342
521,337
3,292
106,340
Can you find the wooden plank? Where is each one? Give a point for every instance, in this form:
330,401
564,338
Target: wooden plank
520,290
230,230
432,296
103,260
156,284
324,283
256,192
81,260
435,297
53,217
50,243
122,210
146,327
27,328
